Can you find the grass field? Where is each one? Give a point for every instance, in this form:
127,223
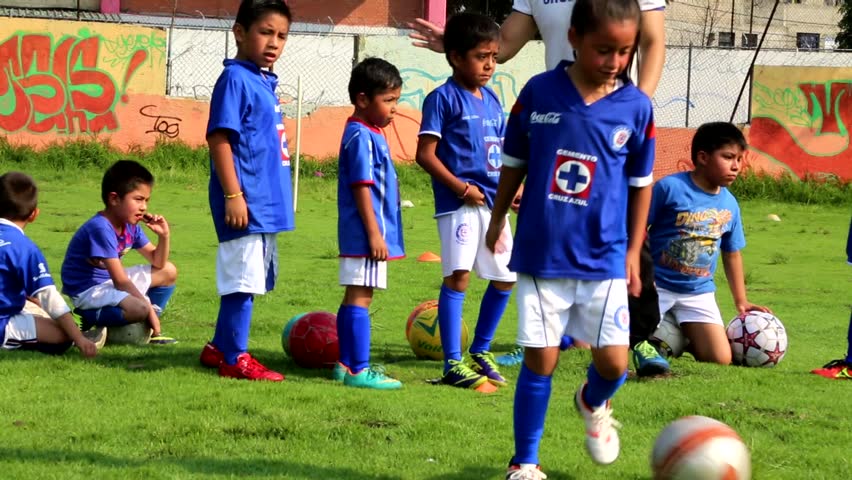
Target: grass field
155,413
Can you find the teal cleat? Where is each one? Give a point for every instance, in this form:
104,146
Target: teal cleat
339,372
648,361
511,359
373,378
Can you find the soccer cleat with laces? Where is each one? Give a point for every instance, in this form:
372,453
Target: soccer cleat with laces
211,356
515,357
483,363
461,376
648,361
526,472
601,435
247,368
373,377
835,370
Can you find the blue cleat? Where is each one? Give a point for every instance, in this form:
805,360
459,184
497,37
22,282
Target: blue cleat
511,359
648,361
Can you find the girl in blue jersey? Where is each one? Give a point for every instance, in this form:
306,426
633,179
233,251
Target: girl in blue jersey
582,137
369,222
460,144
250,193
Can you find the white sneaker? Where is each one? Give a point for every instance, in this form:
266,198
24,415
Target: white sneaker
97,335
526,472
601,435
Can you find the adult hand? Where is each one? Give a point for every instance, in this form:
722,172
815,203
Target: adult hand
428,35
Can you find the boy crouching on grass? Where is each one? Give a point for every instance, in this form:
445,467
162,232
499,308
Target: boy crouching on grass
24,274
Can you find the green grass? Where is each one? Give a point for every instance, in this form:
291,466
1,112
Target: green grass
154,413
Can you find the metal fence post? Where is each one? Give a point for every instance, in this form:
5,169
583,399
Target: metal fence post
688,81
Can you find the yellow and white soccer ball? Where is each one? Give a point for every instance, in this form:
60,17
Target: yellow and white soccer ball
423,333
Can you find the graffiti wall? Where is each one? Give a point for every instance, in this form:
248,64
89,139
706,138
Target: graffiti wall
61,80
801,118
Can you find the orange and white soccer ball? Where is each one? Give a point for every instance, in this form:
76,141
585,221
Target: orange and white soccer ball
700,448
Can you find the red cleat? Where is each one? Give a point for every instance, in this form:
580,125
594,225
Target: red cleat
211,356
835,370
247,368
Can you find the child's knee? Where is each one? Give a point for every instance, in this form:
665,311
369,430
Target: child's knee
458,280
503,286
135,310
168,274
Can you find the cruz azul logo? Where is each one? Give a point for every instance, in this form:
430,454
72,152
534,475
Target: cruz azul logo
285,150
572,177
494,158
619,137
549,118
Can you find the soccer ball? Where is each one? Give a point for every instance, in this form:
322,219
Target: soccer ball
670,336
285,334
699,448
757,339
313,340
424,334
132,334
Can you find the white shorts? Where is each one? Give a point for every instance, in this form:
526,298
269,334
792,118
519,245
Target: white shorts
462,235
363,272
20,330
592,311
247,264
106,295
686,308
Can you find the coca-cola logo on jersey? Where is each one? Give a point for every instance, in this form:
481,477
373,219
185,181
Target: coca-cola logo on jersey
550,118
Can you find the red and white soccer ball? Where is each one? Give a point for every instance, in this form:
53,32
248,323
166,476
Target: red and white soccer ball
313,340
700,448
757,339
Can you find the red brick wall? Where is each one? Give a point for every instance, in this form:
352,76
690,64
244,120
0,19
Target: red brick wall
391,13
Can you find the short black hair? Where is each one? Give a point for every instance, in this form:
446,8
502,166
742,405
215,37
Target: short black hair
373,76
123,177
18,196
715,135
464,31
589,15
251,10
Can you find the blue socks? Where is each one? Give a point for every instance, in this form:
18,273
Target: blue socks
233,325
343,337
566,343
357,337
160,296
490,312
102,317
599,389
532,396
450,304
849,342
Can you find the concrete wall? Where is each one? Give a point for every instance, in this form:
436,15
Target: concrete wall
114,90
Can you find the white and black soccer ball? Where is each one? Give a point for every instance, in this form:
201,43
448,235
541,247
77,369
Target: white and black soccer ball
757,339
670,337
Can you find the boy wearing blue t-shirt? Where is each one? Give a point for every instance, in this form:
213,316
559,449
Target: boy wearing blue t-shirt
369,223
693,218
24,275
103,291
460,145
249,192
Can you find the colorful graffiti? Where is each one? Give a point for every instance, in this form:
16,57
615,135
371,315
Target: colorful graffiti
64,82
417,83
801,118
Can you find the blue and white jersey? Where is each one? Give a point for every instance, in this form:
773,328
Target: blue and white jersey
23,272
688,226
365,160
95,241
580,160
245,106
471,140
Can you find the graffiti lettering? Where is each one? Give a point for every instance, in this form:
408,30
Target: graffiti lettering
417,83
122,49
163,125
55,85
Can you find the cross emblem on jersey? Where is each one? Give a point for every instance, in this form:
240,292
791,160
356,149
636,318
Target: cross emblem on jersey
573,177
494,157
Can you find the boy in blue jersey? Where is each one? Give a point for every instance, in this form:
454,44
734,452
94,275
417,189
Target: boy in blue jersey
103,291
583,137
460,145
24,274
249,192
841,369
369,224
693,217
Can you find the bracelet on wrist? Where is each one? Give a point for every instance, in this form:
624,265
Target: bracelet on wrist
229,196
466,190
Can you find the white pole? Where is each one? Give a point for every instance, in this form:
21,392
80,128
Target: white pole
298,140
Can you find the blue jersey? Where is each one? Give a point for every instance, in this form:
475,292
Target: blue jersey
580,160
688,226
471,140
23,272
245,106
93,242
365,160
